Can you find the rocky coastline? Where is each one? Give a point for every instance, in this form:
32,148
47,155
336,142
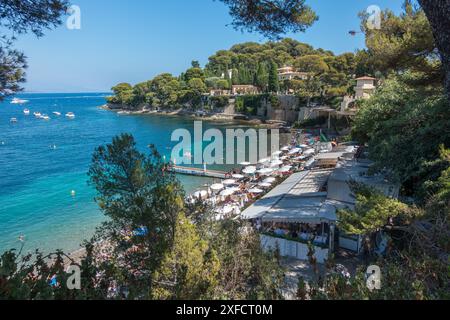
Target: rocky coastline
196,115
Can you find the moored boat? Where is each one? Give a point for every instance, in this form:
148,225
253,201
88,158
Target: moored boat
70,115
26,112
18,101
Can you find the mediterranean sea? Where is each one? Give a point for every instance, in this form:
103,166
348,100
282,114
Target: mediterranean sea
41,162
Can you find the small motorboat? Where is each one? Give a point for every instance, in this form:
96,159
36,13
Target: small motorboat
18,101
56,113
70,115
45,117
37,114
26,112
13,120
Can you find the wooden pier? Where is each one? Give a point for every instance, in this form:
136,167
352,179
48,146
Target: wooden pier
190,171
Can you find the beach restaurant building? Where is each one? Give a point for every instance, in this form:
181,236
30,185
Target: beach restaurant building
296,213
301,213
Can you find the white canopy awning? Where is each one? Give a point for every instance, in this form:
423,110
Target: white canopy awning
296,200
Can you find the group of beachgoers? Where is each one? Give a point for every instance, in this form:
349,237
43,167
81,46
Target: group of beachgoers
315,233
250,182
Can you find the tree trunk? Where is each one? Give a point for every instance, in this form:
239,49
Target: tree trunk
438,13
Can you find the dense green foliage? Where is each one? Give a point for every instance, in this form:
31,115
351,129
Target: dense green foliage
404,127
330,76
255,61
249,104
373,211
405,123
404,42
164,91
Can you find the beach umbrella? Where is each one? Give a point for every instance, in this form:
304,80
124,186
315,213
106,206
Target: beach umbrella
270,180
276,163
265,160
217,187
249,170
265,171
245,164
227,209
265,185
294,151
256,191
238,176
228,192
229,182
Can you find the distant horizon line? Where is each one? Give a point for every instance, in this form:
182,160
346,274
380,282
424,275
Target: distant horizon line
65,92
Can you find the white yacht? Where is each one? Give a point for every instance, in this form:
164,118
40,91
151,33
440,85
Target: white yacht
13,120
18,101
26,112
45,117
56,113
70,115
37,114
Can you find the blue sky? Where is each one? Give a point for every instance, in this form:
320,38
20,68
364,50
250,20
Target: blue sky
134,40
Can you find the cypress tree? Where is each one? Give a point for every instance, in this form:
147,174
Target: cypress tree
274,85
262,77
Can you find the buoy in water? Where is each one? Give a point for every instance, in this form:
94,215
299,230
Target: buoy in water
73,193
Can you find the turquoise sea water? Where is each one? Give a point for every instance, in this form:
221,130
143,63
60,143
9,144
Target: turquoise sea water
36,180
